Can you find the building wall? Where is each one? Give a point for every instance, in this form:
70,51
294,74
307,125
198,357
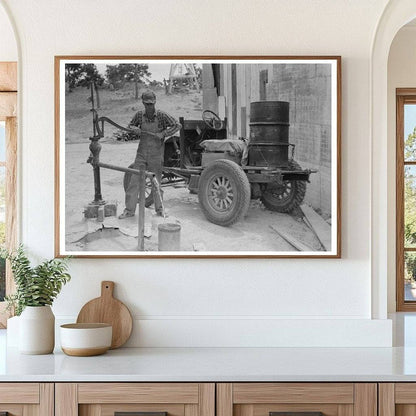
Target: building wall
217,301
307,88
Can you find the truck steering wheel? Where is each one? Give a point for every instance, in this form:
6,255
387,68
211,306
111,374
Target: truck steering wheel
212,120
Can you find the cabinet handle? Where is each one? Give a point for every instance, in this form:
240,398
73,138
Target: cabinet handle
296,414
137,414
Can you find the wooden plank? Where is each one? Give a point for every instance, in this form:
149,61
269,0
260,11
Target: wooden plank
293,393
91,410
298,245
8,105
11,195
224,399
386,399
345,410
365,403
31,410
319,226
27,393
13,409
8,76
138,393
190,410
399,204
11,206
110,409
207,399
265,409
406,92
405,393
47,399
405,410
66,399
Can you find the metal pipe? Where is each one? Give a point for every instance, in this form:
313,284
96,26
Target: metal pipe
142,197
121,169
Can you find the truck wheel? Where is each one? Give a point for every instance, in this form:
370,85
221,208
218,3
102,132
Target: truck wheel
224,192
287,196
149,193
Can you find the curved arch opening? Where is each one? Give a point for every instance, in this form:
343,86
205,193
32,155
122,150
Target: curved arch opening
397,14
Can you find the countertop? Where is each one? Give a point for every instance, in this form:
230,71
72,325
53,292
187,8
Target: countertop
212,365
222,364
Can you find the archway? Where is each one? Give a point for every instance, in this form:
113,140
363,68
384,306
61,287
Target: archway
396,14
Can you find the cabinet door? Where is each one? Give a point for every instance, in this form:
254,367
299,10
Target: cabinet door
296,399
26,399
397,399
144,399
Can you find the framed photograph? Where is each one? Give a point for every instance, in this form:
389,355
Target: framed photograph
193,156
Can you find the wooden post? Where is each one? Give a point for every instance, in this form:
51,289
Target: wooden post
142,199
11,195
182,143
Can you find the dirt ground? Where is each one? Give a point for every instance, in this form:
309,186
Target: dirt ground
253,234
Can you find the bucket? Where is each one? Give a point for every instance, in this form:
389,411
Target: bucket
169,237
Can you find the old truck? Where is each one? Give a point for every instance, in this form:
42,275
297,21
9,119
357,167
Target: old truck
227,173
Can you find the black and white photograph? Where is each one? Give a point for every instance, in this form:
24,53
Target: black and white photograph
197,157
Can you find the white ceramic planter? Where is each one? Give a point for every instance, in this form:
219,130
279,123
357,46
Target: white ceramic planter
37,330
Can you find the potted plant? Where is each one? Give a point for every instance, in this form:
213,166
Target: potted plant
36,289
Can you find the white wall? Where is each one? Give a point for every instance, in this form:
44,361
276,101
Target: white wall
401,74
8,47
179,302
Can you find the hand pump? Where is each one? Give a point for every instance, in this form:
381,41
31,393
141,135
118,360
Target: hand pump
94,158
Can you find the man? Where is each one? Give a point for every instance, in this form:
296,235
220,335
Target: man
152,126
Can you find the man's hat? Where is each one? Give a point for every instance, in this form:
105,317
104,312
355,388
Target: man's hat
149,97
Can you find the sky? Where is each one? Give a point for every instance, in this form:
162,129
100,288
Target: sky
158,71
409,119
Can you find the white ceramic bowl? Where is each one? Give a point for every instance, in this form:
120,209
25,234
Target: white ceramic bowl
83,340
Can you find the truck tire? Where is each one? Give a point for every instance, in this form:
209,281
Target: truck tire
285,197
149,193
224,192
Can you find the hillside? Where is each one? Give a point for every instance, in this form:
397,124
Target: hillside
120,106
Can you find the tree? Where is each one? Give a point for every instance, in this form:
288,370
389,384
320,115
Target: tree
84,75
410,146
91,77
119,74
72,74
410,203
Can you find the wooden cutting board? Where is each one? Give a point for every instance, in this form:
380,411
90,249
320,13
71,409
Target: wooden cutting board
107,309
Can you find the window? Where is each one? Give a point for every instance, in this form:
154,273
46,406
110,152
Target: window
406,199
2,206
8,170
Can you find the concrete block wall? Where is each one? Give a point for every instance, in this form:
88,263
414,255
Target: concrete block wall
308,90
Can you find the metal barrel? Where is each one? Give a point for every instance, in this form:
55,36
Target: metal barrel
269,133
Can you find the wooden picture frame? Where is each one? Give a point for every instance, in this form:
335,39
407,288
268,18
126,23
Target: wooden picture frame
275,120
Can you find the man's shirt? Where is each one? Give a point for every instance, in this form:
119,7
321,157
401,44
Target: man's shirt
165,121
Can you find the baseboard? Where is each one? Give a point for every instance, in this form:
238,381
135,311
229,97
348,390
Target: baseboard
166,332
